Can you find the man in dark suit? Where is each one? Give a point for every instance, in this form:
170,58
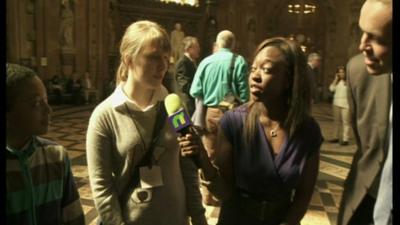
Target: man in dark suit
185,69
314,63
369,81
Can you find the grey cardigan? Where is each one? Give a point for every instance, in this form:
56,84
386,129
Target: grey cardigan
114,147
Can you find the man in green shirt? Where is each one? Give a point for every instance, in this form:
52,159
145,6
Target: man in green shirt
211,84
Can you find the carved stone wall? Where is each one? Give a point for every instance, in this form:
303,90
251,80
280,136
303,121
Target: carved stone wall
59,37
35,38
333,29
165,14
21,36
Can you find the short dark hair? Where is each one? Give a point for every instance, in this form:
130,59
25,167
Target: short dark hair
15,75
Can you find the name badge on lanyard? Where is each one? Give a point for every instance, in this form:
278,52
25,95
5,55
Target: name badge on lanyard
150,177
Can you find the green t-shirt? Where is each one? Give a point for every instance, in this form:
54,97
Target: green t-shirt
210,82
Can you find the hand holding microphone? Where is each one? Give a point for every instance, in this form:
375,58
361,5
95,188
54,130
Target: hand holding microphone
189,141
190,146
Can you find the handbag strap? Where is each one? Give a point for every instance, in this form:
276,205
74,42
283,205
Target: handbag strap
230,74
146,160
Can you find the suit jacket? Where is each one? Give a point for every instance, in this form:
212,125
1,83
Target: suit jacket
369,101
313,77
185,70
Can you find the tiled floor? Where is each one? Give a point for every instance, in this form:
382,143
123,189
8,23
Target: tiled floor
69,129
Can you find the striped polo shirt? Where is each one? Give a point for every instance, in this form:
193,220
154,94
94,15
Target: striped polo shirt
40,186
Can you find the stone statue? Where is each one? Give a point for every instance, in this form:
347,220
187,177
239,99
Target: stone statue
177,36
67,24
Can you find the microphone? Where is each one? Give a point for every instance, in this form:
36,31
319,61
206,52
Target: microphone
178,118
177,115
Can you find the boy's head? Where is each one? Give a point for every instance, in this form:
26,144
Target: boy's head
28,112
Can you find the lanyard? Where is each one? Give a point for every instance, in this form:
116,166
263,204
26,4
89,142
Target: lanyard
136,126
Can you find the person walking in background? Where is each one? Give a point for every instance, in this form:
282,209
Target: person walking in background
340,107
40,186
185,69
267,156
135,170
314,63
212,82
367,195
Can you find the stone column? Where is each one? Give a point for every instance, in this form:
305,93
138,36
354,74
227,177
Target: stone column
67,37
68,61
98,47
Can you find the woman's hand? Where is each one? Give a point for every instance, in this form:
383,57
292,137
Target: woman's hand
337,78
190,145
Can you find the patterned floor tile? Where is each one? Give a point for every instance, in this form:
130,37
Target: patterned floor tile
333,170
316,199
75,137
331,209
314,217
80,171
73,154
333,186
66,143
346,159
79,146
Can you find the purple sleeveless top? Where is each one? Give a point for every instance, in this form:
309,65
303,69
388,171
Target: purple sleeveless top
256,171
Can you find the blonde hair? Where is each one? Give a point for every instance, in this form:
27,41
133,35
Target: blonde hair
136,37
386,2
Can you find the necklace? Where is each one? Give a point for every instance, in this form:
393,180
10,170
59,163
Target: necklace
273,132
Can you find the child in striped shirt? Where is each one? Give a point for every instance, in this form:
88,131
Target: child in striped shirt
40,186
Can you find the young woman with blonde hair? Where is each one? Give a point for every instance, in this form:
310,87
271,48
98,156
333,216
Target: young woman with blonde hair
129,185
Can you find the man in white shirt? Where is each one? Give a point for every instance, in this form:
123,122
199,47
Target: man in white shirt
314,63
